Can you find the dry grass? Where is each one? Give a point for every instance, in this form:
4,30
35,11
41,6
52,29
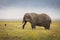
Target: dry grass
12,31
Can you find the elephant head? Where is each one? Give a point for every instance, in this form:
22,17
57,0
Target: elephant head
26,18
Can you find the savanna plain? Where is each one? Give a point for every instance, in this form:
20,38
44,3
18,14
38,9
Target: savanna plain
11,30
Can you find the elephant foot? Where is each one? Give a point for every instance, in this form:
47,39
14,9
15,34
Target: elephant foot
48,28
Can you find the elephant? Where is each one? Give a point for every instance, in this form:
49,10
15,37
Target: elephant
37,20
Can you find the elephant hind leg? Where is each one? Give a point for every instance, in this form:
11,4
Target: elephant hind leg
47,26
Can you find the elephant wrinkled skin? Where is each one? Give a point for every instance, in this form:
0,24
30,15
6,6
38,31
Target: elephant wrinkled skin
37,20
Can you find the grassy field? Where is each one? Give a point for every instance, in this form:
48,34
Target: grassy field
13,31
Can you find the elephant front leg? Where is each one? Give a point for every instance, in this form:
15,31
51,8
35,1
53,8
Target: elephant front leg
24,24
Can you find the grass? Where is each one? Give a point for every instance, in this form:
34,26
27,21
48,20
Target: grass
12,31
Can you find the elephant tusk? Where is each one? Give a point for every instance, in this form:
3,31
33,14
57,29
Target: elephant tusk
22,24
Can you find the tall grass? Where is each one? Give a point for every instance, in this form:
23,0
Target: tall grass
12,31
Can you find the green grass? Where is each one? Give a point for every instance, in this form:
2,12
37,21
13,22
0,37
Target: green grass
12,31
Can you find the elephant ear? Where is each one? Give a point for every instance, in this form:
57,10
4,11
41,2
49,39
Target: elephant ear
30,17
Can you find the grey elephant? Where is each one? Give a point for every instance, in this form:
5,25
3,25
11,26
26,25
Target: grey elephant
37,20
